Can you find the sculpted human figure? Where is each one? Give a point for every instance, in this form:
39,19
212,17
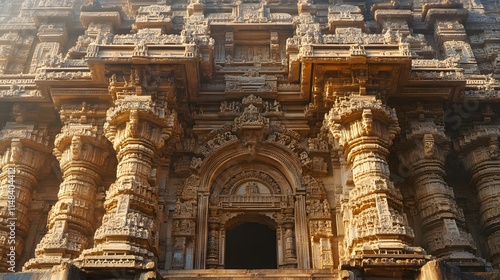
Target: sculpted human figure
493,151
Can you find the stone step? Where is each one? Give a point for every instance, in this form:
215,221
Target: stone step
244,274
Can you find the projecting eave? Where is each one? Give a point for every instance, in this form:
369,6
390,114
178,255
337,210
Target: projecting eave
21,88
183,55
438,88
434,79
336,69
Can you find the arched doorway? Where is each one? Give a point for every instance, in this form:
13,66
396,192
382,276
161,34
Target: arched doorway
251,245
266,184
251,198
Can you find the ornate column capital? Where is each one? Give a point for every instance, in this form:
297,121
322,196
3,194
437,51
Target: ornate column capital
143,120
479,145
17,138
81,143
364,120
423,144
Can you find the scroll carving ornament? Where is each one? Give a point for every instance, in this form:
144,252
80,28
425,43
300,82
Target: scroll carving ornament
317,144
251,127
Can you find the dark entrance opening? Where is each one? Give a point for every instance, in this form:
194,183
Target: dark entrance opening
250,246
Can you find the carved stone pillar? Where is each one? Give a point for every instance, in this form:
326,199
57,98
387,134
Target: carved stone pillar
82,152
213,245
289,243
24,151
302,242
184,219
320,223
481,156
377,226
127,237
179,255
443,223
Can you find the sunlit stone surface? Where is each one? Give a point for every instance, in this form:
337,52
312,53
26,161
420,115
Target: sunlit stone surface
248,139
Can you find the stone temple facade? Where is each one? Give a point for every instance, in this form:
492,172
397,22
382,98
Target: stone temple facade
249,139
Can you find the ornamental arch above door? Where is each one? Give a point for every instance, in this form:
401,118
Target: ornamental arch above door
268,183
252,166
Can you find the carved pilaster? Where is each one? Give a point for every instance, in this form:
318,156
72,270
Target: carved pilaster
443,225
127,238
289,243
213,245
449,32
185,224
365,128
24,151
48,52
302,242
481,156
320,224
179,254
82,152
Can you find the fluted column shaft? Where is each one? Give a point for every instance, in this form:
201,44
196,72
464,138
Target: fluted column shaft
130,190
443,223
374,198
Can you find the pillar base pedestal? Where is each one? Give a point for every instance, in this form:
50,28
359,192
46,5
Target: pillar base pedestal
386,259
